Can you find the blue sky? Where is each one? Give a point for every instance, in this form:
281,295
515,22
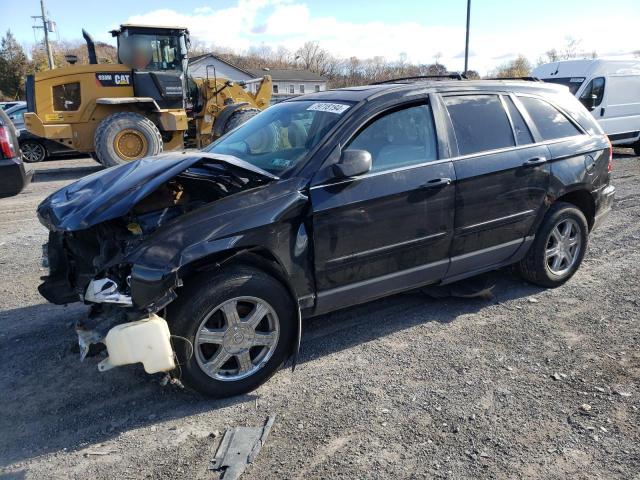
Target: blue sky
418,29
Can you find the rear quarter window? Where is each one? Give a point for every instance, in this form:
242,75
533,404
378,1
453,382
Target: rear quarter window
551,122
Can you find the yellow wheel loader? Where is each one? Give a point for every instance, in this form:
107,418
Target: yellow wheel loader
141,106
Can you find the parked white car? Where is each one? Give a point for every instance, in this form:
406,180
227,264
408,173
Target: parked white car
610,89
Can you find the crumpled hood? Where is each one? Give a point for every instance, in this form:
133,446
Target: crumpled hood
113,192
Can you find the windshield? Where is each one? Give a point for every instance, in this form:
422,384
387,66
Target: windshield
279,138
572,82
150,52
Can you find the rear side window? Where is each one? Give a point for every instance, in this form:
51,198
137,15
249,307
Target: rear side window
480,123
550,121
66,98
403,137
523,135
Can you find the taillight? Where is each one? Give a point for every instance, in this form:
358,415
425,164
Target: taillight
610,164
6,146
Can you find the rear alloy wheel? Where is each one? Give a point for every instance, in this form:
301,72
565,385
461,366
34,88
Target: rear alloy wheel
33,152
559,247
232,330
563,248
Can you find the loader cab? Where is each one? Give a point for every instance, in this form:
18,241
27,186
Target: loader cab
158,58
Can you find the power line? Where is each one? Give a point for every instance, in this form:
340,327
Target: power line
47,26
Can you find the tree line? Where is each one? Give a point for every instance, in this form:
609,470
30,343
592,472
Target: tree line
340,72
15,64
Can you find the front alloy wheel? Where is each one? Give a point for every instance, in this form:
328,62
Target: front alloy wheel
232,329
237,338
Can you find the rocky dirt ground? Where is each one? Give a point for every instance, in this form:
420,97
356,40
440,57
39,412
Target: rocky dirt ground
531,384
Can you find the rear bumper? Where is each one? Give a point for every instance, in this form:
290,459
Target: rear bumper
604,203
13,176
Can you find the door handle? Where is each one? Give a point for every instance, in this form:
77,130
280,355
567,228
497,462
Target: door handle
535,161
437,182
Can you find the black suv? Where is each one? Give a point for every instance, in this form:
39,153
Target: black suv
326,201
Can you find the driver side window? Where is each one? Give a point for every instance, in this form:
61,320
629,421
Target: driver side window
400,138
594,88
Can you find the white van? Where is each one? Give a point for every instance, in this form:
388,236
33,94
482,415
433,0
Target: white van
610,89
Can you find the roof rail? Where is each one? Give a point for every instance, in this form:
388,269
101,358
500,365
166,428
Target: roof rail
528,79
451,76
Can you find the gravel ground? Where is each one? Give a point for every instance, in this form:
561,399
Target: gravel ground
531,384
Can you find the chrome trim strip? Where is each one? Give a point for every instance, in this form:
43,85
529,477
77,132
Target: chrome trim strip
489,249
493,223
383,172
465,157
382,278
386,248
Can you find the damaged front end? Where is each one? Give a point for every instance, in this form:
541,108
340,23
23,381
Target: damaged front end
100,223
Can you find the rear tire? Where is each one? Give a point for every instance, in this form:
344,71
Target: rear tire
219,360
558,249
126,136
32,151
636,148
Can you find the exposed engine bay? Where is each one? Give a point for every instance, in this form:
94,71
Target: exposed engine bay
91,264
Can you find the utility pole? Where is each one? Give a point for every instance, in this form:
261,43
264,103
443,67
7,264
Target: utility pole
45,28
466,45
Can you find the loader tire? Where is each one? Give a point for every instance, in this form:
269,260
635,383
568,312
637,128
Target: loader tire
238,117
126,136
264,140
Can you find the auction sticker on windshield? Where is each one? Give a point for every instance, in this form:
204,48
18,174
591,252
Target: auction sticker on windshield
329,107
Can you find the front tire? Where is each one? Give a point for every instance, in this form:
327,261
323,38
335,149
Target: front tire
558,249
33,151
126,136
239,325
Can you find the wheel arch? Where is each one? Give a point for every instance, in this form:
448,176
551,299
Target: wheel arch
583,200
257,257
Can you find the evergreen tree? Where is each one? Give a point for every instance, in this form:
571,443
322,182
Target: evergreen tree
13,67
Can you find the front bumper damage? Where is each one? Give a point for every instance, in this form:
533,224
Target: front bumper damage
102,224
131,333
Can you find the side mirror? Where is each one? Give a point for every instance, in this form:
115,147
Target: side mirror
352,163
591,101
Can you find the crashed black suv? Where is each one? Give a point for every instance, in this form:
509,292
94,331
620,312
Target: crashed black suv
322,202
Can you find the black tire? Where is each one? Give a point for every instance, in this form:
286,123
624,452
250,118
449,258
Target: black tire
264,140
239,117
33,151
108,130
636,148
203,295
534,266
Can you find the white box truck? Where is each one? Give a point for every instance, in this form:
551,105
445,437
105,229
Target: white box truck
610,89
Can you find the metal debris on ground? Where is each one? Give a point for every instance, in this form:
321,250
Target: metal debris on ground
239,448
